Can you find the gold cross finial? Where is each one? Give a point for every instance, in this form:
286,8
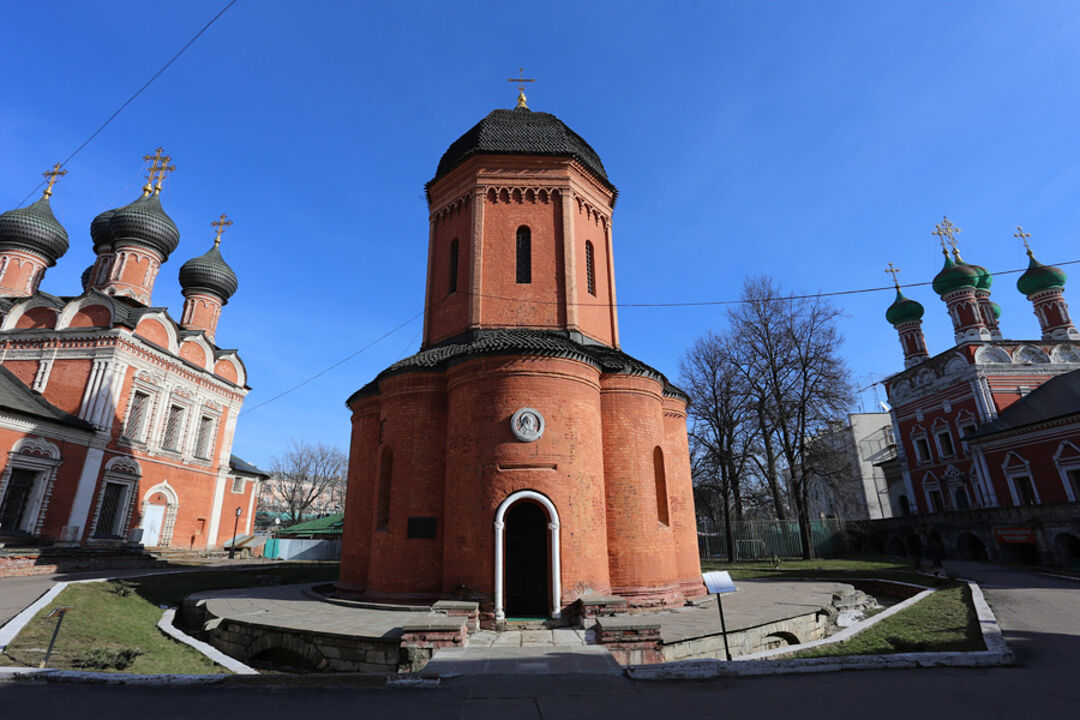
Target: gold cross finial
521,87
1023,236
152,170
163,168
948,230
220,224
940,234
894,271
53,175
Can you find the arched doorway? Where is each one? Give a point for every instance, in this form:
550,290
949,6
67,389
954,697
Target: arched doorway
527,564
526,561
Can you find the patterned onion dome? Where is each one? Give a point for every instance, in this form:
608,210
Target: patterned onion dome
209,272
954,276
903,310
85,278
99,229
1039,277
34,228
145,223
521,132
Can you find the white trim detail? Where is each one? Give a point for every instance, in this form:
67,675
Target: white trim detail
1067,464
556,566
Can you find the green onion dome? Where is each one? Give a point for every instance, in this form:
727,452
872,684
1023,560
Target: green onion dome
903,310
996,309
144,223
34,228
954,276
1039,277
985,279
209,272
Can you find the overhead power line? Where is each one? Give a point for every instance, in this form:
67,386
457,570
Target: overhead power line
833,293
137,94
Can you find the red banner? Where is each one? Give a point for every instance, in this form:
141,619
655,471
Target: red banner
1014,534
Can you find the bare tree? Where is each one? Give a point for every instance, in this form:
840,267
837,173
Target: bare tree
307,480
722,432
788,354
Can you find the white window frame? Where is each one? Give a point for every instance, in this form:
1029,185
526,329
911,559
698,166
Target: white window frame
214,418
1012,472
185,409
120,470
38,456
919,458
1065,465
243,486
148,414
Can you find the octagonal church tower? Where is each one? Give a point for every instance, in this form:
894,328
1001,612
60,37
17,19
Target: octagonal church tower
520,458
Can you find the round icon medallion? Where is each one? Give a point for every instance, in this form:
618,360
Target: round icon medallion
527,425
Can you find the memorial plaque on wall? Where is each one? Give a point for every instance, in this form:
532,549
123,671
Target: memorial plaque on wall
421,528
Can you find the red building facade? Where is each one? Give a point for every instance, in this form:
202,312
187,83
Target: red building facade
520,458
964,418
113,416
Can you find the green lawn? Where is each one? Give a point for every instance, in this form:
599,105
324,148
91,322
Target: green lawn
833,569
112,626
940,622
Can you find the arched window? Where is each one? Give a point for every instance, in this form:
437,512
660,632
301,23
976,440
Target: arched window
386,471
524,255
661,485
590,267
453,266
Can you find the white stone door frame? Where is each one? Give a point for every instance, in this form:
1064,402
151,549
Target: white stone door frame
500,541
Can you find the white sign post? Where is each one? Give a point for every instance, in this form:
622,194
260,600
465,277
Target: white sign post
719,582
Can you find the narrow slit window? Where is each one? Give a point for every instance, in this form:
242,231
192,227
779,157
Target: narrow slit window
661,485
524,255
386,472
590,267
453,266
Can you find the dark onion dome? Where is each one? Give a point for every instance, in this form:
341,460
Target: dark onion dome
145,223
85,278
209,272
521,132
903,310
34,228
99,229
954,276
1039,277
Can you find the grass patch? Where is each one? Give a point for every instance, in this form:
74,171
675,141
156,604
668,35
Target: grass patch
944,621
112,625
840,569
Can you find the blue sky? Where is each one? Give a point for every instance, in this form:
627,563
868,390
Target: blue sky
814,142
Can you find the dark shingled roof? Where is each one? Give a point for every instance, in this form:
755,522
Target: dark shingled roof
244,466
521,132
17,397
209,271
542,343
1057,397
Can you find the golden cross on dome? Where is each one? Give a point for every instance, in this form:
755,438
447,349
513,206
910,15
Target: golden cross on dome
894,271
940,234
152,170
521,87
948,230
220,224
163,168
53,175
1023,236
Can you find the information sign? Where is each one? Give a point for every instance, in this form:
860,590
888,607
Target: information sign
718,582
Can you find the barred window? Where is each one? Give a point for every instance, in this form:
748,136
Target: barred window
136,419
173,425
453,266
202,439
524,255
590,267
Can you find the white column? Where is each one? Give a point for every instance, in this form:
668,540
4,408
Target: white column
219,484
84,491
500,614
556,572
569,258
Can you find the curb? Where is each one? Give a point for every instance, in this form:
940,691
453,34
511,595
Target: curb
165,625
997,654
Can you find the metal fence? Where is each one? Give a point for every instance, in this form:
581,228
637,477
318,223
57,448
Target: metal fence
290,549
766,539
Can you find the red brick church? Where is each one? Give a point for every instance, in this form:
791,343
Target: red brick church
114,417
520,458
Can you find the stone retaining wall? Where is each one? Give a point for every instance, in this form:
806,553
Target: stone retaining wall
26,562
